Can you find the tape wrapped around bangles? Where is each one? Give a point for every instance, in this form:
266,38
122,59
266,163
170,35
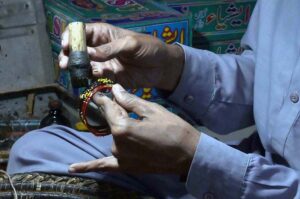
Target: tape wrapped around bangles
90,113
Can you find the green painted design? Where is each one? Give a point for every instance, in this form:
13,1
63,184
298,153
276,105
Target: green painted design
215,20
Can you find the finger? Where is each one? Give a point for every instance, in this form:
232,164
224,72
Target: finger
130,102
114,71
90,33
63,60
114,150
65,39
105,164
126,46
123,112
96,34
97,68
102,33
93,35
103,69
103,53
113,113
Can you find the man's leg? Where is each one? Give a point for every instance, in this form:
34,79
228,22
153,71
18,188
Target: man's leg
53,149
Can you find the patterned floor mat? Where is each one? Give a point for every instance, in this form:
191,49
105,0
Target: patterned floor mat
42,186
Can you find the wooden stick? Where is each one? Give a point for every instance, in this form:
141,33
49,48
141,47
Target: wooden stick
77,36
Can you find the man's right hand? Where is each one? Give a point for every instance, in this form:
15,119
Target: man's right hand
131,59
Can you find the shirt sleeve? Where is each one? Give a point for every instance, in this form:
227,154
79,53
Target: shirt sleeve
219,171
217,90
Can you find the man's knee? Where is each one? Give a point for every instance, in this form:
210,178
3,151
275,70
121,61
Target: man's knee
24,144
22,151
56,147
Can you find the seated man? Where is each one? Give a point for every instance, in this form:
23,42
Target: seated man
221,91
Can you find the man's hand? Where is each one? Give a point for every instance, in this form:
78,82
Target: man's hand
131,59
159,142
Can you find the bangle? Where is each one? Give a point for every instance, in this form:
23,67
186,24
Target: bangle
104,86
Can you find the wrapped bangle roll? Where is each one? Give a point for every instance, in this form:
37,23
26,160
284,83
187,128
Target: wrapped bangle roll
90,113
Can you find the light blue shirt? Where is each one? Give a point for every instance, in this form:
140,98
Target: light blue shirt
228,92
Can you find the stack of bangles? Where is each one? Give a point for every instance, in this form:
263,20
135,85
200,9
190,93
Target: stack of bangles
88,109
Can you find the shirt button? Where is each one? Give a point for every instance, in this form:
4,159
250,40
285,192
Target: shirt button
188,98
208,196
294,97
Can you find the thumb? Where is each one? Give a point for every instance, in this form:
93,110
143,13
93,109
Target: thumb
129,101
105,164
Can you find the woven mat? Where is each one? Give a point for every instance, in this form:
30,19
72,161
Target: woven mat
39,185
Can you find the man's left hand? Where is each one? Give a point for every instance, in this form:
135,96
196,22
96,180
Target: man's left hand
158,142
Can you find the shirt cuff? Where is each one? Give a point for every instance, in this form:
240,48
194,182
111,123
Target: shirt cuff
197,83
217,170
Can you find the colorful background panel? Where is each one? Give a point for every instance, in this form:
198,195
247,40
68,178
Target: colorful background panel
216,20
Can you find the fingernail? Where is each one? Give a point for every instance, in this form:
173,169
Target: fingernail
97,96
91,51
72,169
118,87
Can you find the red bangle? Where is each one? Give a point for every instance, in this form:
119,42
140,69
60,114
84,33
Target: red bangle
104,86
